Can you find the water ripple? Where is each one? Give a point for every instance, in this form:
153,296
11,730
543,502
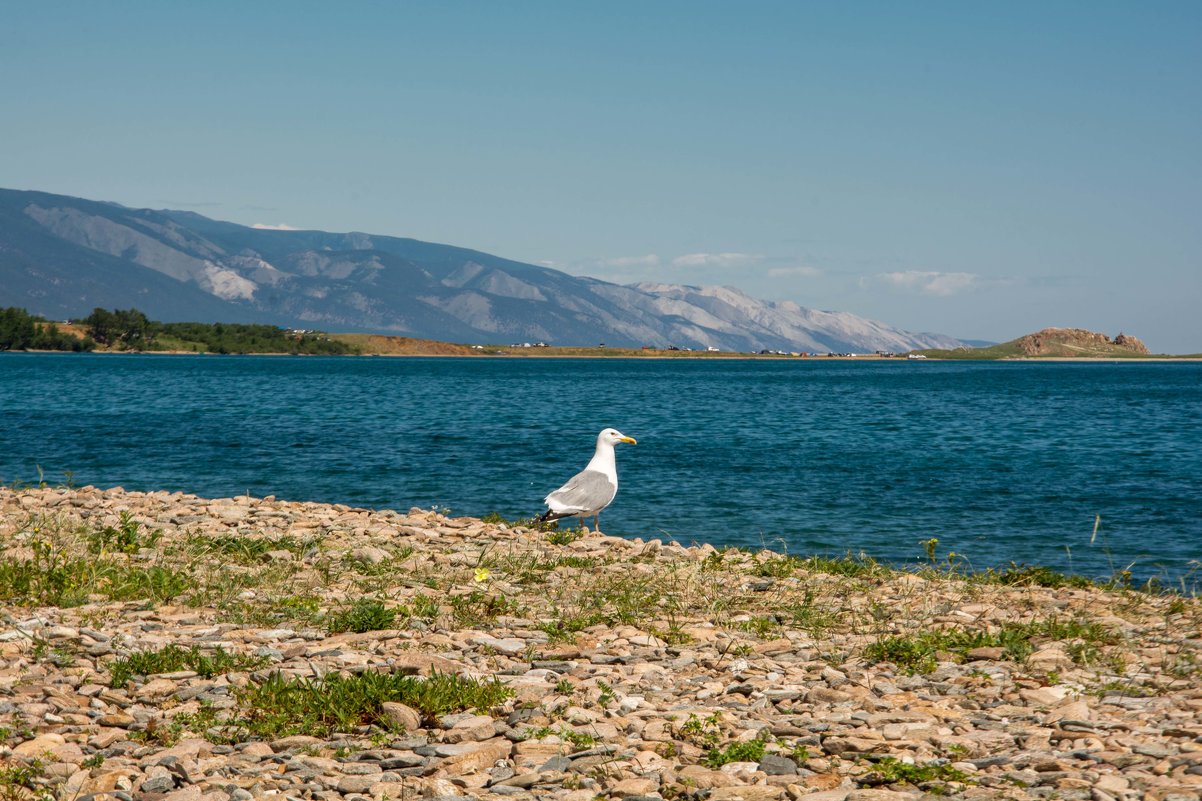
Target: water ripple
1000,462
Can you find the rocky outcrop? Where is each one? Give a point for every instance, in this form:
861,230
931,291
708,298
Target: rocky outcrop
638,670
1077,342
1130,343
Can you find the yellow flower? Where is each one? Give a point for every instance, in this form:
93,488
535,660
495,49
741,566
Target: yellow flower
481,574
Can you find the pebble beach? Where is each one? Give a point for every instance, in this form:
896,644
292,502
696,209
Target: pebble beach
616,668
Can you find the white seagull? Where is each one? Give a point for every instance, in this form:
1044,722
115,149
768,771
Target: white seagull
592,489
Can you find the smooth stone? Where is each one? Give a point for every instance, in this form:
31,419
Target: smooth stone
357,784
39,745
509,646
558,764
189,793
633,787
703,778
990,653
369,555
473,729
747,792
522,780
1044,696
399,761
776,765
475,756
158,784
400,717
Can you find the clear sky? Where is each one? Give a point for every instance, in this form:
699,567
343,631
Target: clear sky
975,169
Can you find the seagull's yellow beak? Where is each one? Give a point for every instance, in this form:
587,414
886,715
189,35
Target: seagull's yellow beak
631,440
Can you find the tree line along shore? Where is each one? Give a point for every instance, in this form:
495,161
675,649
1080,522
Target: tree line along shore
130,331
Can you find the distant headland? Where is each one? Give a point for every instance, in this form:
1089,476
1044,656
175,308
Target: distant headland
1059,343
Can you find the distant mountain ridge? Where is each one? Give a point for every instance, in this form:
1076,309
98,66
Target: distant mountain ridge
62,256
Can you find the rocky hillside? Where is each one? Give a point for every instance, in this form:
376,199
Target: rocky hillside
168,647
1064,343
61,257
1077,342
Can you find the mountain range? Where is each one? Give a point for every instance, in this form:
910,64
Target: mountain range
63,256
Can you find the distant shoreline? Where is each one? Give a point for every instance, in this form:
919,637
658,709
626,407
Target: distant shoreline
635,355
1083,346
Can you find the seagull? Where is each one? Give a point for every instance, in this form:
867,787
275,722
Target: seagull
592,489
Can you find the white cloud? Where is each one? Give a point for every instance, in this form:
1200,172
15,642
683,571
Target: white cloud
650,260
800,271
929,282
715,260
714,268
280,227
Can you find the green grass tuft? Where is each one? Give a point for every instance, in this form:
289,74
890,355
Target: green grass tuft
279,707
1034,576
916,653
563,628
891,770
857,566
562,536
366,614
172,658
479,608
579,740
249,550
750,751
852,566
126,537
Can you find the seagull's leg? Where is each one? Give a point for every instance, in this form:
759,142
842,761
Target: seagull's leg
597,523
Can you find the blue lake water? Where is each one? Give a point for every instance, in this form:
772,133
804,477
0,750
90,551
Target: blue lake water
1000,461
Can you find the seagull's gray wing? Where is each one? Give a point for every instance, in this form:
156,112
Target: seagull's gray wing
585,493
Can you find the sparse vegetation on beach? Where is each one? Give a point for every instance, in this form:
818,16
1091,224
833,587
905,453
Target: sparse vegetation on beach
917,653
48,576
587,634
250,550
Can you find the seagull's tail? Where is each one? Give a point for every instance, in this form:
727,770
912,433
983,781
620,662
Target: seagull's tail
548,516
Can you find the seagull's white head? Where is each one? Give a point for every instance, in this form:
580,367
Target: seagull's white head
612,436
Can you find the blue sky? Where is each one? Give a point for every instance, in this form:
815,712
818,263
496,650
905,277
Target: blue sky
980,170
